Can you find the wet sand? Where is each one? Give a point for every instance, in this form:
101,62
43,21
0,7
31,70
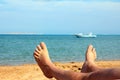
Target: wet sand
32,71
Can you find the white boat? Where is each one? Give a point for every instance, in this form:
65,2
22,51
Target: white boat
90,35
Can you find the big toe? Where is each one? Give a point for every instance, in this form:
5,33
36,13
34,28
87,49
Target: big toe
43,45
90,48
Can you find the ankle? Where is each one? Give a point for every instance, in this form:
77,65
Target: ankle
48,71
90,63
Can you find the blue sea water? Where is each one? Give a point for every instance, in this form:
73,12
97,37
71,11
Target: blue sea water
18,49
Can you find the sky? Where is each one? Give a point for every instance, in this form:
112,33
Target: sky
60,16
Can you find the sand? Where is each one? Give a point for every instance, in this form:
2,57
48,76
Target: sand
33,72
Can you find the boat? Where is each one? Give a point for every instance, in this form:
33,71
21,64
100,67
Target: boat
81,35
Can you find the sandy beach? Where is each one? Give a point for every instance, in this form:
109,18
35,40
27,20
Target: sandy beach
32,71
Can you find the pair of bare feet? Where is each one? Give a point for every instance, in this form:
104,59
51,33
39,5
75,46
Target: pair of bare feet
42,58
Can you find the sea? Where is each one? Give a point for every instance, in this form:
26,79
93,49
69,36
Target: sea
18,49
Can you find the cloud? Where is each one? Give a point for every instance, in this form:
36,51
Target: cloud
60,5
81,0
59,12
39,3
22,5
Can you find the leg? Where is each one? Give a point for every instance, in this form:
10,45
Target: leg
49,69
105,74
42,58
89,64
96,72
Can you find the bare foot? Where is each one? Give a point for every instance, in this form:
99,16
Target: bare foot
90,56
42,58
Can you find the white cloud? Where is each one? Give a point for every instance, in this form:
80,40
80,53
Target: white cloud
32,5
40,4
37,13
67,6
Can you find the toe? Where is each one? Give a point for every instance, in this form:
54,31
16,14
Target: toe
43,45
36,54
36,50
90,47
39,48
93,49
94,52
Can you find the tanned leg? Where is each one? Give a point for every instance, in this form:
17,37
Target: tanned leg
49,69
95,72
89,64
42,58
104,74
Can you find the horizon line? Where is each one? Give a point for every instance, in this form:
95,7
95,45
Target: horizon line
50,34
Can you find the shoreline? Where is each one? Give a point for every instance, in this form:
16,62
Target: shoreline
63,62
32,71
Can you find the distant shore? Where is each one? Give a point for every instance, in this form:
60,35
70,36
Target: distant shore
32,71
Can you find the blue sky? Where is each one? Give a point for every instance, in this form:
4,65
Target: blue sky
60,16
